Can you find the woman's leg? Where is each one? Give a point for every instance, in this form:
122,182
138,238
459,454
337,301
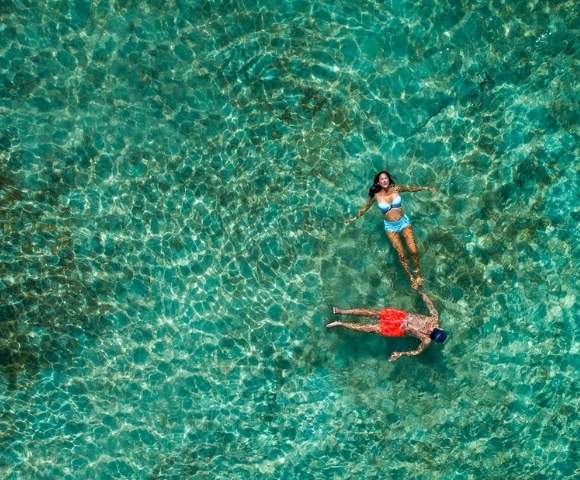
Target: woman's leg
395,240
359,312
357,327
412,246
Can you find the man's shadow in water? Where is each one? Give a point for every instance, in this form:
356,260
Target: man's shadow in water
355,347
15,354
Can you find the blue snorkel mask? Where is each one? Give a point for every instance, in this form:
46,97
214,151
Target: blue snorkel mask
438,335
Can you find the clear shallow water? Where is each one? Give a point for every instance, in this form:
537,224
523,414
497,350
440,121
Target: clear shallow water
174,182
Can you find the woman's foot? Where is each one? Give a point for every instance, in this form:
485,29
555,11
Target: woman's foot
335,311
333,324
416,279
414,283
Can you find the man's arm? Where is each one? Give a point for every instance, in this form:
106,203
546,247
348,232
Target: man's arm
422,346
429,304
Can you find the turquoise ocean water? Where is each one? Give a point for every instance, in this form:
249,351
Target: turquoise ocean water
174,180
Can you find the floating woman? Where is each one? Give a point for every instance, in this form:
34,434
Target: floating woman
397,226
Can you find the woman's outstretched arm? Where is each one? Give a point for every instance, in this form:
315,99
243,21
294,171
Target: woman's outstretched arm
362,211
413,188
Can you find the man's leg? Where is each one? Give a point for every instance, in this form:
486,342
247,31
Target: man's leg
357,312
356,327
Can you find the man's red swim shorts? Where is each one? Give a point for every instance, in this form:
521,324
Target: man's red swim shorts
391,322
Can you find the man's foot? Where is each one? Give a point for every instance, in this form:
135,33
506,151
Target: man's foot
334,311
333,324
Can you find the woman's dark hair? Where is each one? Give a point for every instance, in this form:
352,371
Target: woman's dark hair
376,188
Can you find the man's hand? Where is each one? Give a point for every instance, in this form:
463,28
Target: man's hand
395,356
350,220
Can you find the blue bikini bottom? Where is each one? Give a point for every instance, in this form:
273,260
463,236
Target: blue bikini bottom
397,226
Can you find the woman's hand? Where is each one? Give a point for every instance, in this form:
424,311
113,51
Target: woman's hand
431,189
361,212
